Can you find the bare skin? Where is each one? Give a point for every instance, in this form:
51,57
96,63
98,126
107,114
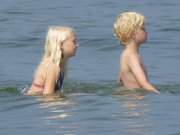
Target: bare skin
132,74
47,72
46,75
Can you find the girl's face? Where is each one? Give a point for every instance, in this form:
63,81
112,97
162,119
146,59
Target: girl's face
69,46
140,35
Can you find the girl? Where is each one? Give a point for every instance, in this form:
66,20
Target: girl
59,46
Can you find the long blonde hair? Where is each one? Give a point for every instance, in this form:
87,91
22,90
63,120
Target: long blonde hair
56,35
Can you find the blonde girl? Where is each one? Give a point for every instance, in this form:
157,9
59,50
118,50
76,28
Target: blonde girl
60,45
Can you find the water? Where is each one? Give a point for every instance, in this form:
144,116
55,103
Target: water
93,103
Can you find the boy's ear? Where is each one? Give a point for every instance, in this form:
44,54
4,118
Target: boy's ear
134,35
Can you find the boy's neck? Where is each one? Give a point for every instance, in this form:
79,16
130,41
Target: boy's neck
132,46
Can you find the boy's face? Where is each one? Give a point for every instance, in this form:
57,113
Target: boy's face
140,35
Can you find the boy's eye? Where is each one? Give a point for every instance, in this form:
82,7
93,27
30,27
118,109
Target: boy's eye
74,41
143,29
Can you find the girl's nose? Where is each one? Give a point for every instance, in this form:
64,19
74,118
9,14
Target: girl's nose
77,45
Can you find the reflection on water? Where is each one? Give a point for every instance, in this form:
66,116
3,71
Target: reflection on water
56,105
91,112
58,112
135,109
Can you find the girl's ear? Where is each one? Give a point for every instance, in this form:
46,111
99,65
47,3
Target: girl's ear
61,46
62,50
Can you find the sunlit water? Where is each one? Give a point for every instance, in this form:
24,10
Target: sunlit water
93,103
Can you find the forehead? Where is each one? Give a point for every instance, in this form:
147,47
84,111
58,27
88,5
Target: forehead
72,35
142,26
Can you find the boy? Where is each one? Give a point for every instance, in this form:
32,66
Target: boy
130,31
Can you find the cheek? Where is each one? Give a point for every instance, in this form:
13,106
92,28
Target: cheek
73,49
70,49
146,34
142,35
66,49
139,35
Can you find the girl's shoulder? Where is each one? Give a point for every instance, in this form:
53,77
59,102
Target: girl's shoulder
50,66
45,67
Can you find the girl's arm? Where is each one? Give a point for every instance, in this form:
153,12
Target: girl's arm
137,70
50,82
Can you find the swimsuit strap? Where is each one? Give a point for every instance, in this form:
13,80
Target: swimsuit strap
59,83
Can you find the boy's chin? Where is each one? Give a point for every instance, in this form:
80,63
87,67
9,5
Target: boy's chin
144,41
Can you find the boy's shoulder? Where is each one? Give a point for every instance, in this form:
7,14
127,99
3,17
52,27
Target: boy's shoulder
129,54
127,57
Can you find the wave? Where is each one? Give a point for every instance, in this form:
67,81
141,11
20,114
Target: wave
109,88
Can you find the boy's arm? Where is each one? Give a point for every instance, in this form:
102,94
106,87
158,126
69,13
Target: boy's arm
119,74
119,81
144,69
137,70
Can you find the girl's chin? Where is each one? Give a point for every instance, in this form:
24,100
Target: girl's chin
72,55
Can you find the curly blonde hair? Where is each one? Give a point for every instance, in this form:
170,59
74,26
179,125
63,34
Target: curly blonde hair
126,24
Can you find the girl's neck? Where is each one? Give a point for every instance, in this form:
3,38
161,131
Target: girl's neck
63,62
